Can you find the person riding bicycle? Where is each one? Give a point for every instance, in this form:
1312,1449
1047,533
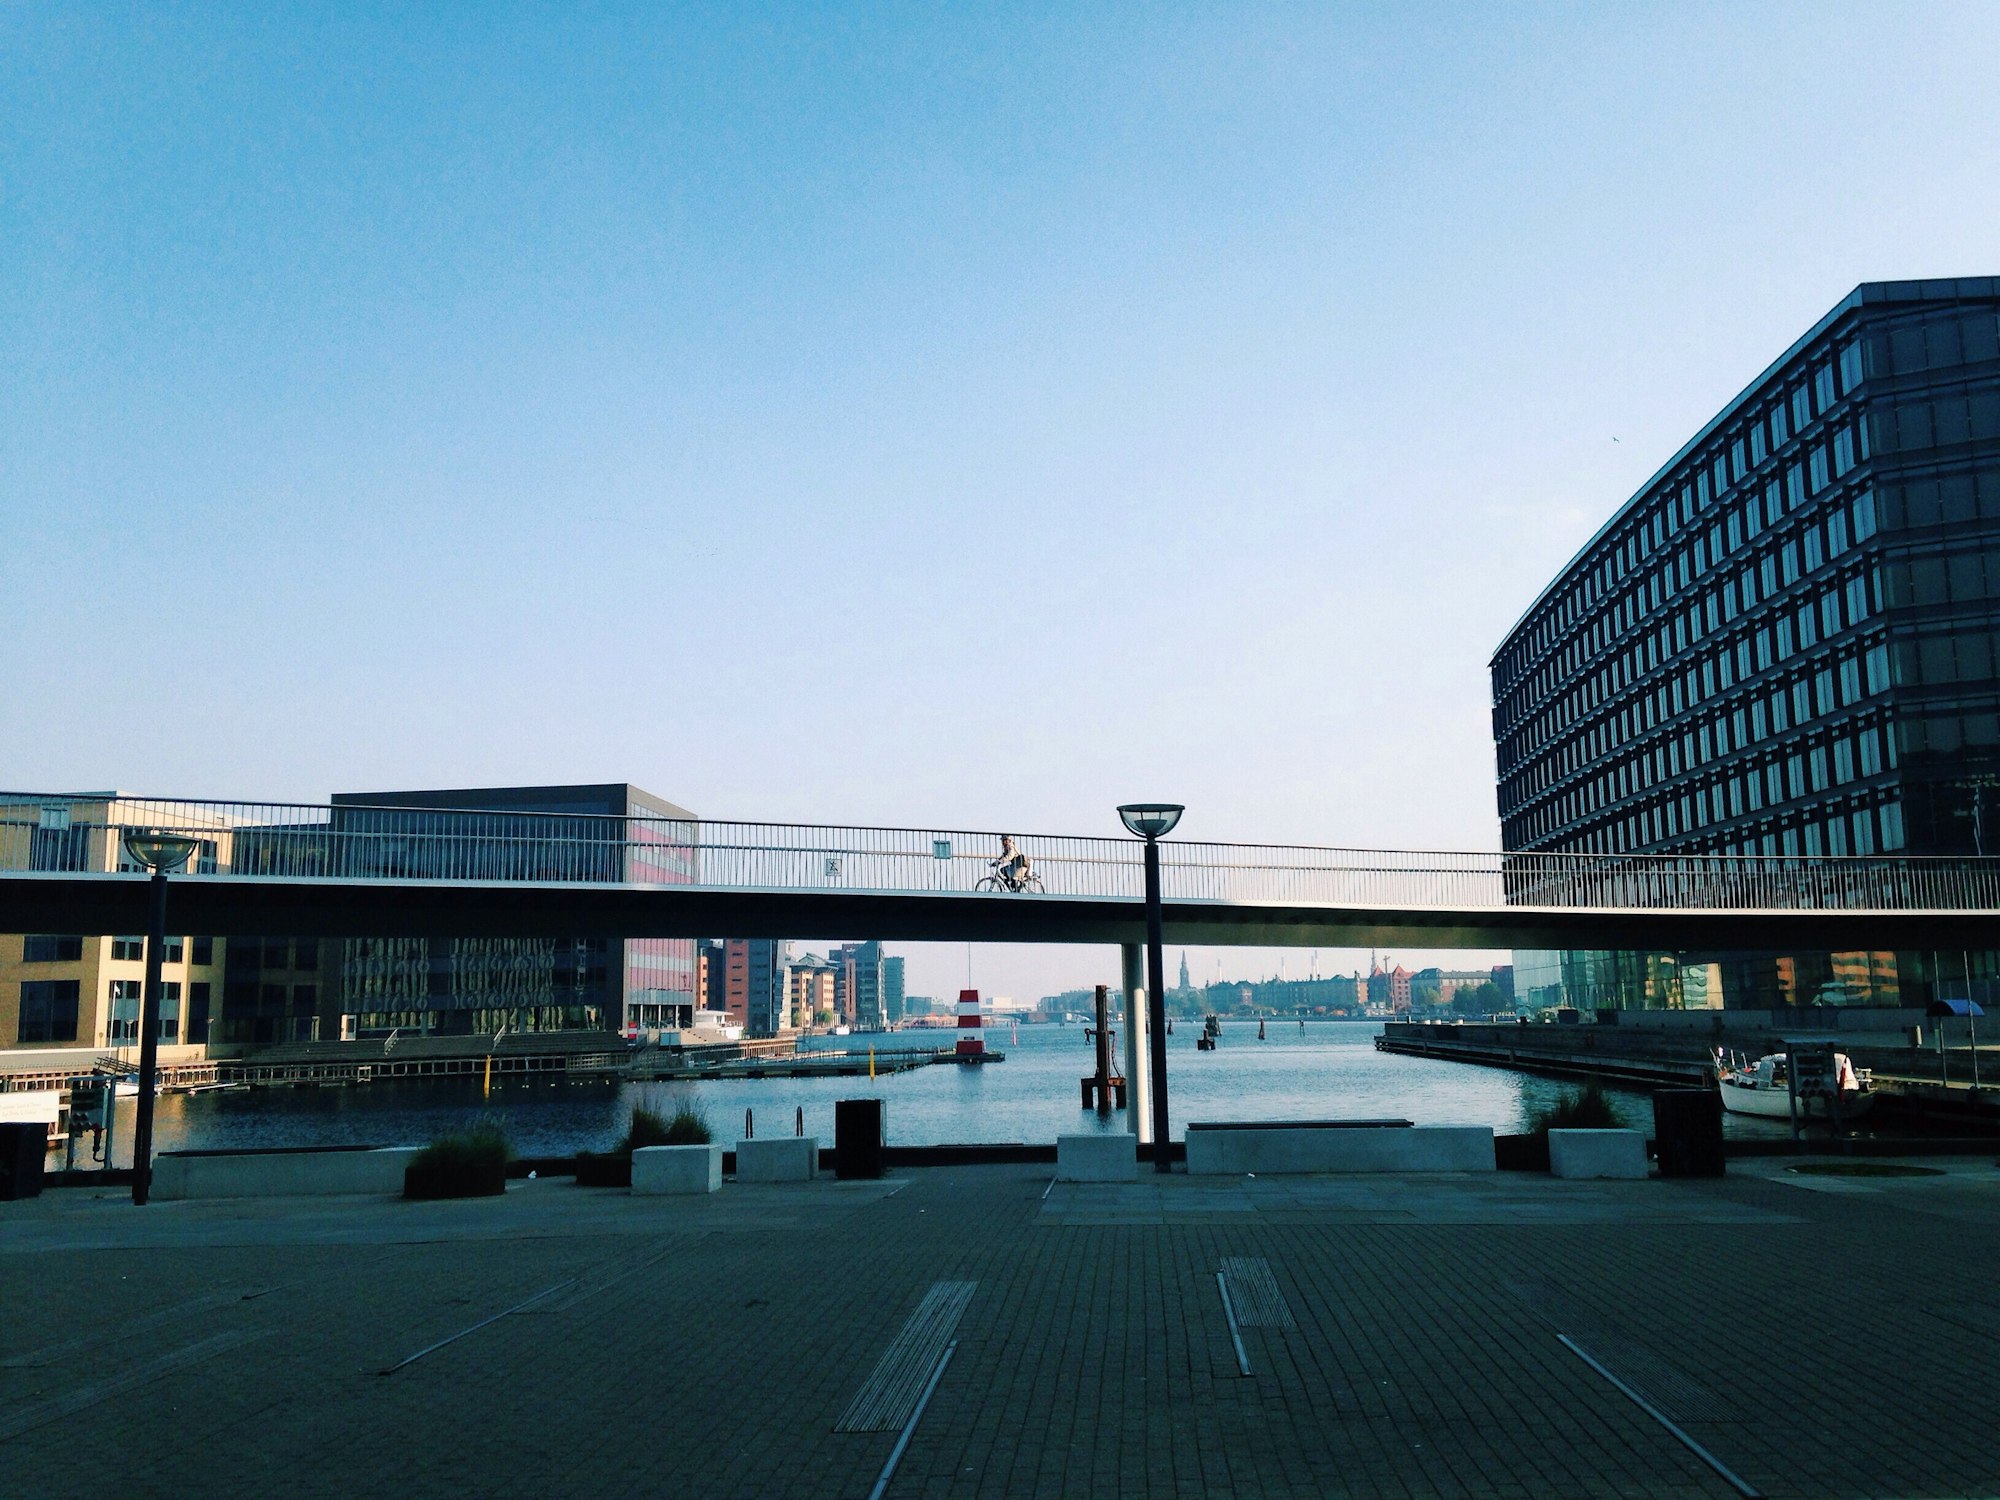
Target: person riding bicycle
1012,866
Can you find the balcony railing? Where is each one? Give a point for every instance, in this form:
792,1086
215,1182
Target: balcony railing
348,842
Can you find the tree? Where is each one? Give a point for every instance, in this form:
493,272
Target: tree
1479,999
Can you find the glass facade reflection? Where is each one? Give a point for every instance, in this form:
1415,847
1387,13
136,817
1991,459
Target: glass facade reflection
1788,642
611,832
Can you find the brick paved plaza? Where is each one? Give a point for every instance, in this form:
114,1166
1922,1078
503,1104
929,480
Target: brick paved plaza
1820,1336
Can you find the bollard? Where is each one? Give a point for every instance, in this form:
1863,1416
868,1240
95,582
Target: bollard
858,1137
1687,1123
749,1126
799,1122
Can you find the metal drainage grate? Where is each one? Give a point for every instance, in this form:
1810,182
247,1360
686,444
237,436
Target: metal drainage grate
890,1393
1253,1292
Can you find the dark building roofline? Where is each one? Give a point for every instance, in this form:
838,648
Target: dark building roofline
1937,289
619,795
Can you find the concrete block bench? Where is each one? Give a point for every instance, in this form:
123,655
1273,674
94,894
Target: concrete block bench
1097,1158
778,1158
282,1173
1597,1153
676,1169
1281,1147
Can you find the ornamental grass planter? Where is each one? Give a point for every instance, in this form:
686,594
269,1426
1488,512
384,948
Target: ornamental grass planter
455,1179
472,1165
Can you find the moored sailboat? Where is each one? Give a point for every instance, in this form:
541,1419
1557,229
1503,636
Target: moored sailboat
1764,1088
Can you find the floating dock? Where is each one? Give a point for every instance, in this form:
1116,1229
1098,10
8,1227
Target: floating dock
577,1056
801,1065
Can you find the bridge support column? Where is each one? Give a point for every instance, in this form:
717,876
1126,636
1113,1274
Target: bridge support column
1138,1079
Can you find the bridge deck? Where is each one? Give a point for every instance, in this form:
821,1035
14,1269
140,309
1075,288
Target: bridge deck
352,870
231,905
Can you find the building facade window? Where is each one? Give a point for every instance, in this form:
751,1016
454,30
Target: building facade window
49,1011
51,950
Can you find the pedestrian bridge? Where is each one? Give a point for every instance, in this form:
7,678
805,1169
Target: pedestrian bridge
356,870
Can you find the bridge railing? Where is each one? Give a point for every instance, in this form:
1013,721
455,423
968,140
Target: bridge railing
347,841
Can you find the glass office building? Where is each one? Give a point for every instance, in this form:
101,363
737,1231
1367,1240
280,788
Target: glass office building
1788,641
605,832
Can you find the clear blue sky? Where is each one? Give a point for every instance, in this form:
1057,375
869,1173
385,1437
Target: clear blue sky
909,415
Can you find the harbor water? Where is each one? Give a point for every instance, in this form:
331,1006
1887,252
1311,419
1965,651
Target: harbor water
1323,1070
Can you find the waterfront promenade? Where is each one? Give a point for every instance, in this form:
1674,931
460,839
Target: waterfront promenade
1819,1335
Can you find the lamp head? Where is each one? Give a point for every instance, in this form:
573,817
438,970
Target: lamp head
1150,820
157,849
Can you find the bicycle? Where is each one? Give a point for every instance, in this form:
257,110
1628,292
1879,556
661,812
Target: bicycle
1015,885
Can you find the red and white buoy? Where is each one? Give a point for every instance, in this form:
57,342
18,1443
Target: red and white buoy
971,1027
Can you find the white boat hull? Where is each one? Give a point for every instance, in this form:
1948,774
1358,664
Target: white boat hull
1776,1103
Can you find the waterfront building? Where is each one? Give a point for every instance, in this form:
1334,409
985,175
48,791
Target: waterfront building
84,990
843,986
711,963
274,990
755,991
1785,644
761,985
69,990
892,989
858,985
1389,989
809,991
604,831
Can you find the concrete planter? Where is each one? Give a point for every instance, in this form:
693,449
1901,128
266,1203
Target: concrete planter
778,1158
1597,1153
1097,1158
273,1174
676,1169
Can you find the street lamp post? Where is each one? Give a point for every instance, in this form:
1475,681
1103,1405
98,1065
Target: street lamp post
159,852
1152,821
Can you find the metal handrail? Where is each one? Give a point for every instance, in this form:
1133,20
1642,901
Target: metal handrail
355,841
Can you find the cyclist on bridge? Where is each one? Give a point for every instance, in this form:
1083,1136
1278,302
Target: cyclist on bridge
1012,866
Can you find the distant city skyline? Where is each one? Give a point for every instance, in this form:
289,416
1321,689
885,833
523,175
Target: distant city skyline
1092,407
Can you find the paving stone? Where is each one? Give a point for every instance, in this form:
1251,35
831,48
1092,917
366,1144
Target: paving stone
708,1348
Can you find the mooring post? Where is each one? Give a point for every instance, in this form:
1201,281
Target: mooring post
1097,1087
